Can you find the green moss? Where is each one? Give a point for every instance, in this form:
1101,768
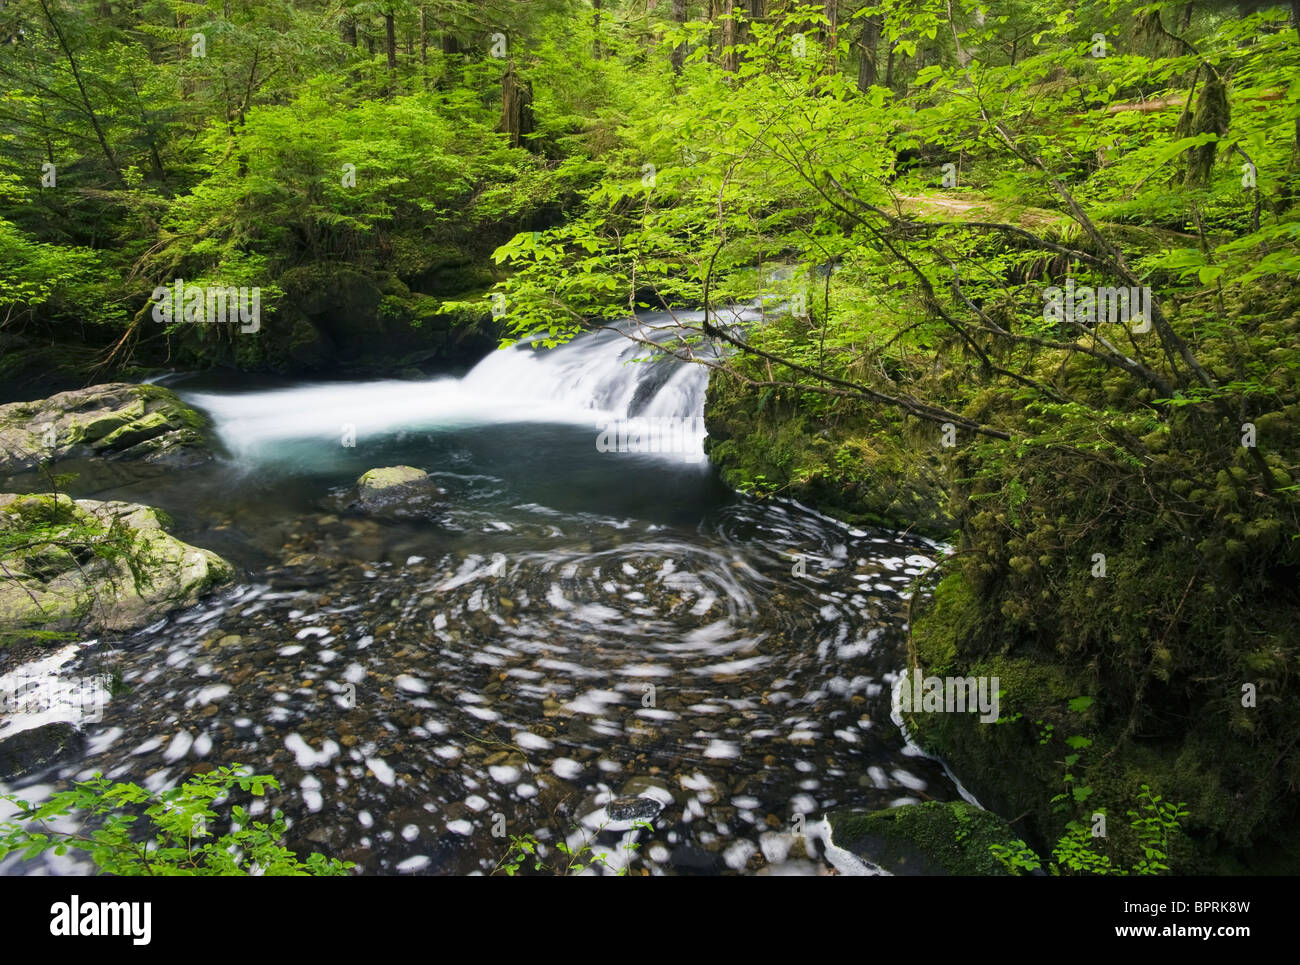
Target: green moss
89,565
932,838
139,430
863,469
1016,766
160,399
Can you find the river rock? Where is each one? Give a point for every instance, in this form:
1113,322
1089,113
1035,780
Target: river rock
626,808
38,748
395,491
65,581
112,434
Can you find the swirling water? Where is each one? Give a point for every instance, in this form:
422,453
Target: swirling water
576,640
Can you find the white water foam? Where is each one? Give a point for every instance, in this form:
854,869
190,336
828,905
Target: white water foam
593,380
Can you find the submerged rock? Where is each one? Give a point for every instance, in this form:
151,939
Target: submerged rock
140,429
935,838
633,809
90,565
395,491
38,748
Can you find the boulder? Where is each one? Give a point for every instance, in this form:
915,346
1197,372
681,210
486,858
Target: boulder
142,430
395,491
88,566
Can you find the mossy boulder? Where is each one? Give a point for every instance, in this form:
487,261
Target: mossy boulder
934,838
453,277
85,566
1054,714
401,491
142,430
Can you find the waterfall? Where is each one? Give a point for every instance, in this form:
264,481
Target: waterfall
597,378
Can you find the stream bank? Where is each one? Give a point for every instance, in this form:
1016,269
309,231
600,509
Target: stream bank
1132,645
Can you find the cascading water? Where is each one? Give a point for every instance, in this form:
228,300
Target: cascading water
597,378
579,638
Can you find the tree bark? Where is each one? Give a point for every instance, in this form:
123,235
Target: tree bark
868,47
390,39
679,52
832,36
1211,117
516,109
730,60
1295,21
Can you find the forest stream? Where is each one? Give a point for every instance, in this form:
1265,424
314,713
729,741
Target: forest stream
574,641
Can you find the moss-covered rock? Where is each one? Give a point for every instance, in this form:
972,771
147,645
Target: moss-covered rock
142,429
87,566
400,491
1041,748
934,838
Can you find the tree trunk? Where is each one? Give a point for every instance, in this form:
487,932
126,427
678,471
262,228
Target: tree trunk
424,37
516,109
450,45
595,29
349,28
832,36
868,47
730,61
390,38
1211,117
679,52
1295,21
889,69
963,58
